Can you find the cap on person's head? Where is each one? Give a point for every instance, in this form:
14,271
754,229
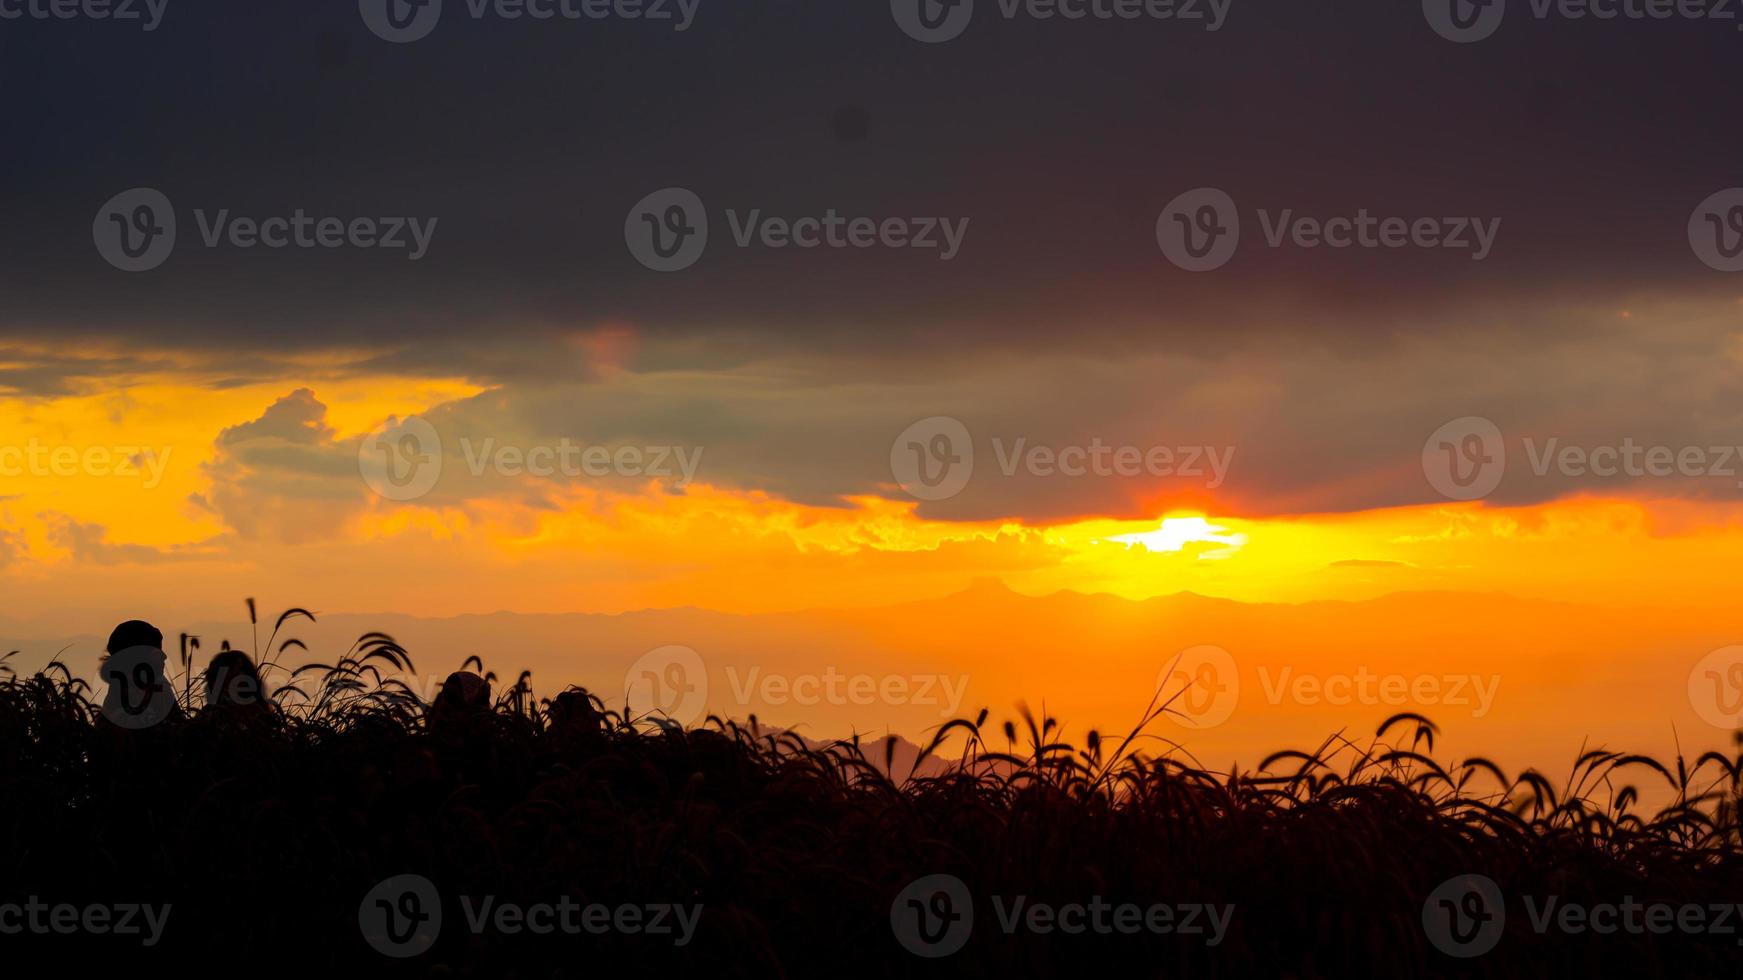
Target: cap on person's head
134,633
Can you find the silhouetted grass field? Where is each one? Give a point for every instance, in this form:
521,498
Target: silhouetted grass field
264,826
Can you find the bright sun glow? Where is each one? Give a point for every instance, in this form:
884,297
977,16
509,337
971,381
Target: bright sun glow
1175,533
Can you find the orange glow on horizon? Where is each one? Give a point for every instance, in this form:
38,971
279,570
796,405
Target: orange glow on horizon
577,546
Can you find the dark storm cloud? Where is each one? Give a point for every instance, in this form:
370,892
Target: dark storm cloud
1060,141
506,156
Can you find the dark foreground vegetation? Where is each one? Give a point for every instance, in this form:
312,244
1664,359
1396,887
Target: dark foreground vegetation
265,825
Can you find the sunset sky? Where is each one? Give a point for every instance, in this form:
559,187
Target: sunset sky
242,386
137,473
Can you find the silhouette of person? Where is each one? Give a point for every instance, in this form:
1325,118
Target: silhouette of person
139,694
232,682
574,713
464,698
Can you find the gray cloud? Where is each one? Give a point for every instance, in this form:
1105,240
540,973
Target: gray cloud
1300,429
532,165
1060,323
89,543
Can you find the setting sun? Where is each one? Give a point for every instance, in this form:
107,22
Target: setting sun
1175,533
1016,488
